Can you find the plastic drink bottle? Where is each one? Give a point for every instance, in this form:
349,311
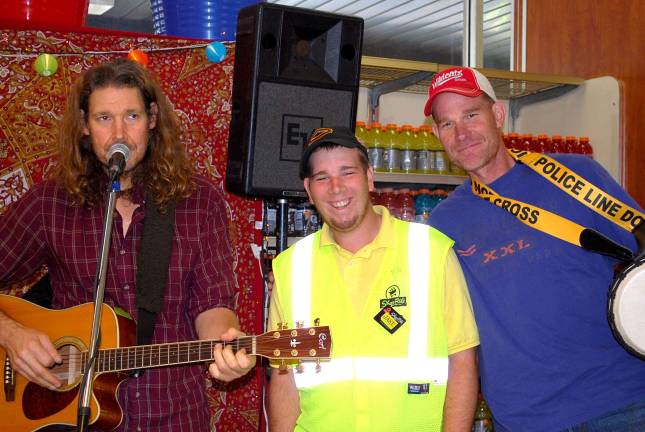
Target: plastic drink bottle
557,146
406,138
514,140
361,133
387,198
395,203
376,150
425,156
407,205
417,151
544,144
585,147
483,418
423,205
571,144
392,152
442,164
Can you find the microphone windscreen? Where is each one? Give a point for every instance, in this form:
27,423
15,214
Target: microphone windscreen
119,148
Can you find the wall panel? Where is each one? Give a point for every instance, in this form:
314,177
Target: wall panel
592,39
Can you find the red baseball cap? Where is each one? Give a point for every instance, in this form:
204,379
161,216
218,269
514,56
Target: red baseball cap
461,80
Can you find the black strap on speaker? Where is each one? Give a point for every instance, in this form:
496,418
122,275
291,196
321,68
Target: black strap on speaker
152,266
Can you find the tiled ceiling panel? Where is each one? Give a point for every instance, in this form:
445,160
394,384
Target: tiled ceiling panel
429,30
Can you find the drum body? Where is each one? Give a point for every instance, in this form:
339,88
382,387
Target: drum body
626,308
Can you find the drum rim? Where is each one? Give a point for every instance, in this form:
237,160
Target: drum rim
610,307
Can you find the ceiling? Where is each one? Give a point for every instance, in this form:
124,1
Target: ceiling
428,30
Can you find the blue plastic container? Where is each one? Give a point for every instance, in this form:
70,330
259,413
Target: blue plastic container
201,19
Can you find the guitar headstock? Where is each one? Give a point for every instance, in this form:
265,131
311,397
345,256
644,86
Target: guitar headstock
304,343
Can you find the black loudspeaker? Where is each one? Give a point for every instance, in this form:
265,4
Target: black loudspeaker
295,70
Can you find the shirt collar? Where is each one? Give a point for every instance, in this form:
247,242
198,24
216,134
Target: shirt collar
384,239
138,190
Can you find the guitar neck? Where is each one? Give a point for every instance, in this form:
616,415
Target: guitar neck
167,354
310,343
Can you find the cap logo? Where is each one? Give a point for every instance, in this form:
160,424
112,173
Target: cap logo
446,76
319,134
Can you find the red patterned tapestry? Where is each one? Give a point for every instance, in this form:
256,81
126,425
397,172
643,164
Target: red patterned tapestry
32,105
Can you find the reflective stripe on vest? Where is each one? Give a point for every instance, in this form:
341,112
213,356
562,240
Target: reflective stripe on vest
416,366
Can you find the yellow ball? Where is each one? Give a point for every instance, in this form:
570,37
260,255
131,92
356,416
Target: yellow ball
46,64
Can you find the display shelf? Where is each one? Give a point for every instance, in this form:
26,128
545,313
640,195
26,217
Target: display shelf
271,241
385,75
376,71
437,179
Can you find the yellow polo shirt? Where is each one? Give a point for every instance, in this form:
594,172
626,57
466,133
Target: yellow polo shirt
360,269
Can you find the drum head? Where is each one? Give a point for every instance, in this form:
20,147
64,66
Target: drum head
628,306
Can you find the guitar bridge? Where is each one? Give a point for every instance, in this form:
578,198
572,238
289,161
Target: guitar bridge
9,381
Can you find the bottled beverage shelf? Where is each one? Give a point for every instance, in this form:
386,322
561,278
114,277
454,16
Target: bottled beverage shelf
508,85
437,179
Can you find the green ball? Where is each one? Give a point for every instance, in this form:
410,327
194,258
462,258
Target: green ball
46,64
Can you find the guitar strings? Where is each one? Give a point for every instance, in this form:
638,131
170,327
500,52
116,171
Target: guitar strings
174,349
143,356
181,351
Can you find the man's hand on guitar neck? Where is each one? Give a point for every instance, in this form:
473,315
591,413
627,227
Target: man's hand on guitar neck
222,324
227,365
31,352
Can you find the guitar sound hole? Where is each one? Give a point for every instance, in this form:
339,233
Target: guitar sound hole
69,371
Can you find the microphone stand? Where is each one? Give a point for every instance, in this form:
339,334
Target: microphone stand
85,390
282,237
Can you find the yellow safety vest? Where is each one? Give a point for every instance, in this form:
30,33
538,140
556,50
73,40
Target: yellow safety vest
375,381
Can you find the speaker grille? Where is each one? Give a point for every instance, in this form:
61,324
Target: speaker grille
285,116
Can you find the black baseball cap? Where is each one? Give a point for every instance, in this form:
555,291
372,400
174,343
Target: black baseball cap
339,135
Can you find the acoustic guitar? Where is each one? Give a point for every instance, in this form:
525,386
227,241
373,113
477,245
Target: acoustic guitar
25,406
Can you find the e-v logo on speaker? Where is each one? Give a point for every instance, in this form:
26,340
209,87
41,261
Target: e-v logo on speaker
295,131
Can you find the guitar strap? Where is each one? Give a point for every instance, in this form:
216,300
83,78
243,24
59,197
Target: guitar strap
152,270
580,189
153,261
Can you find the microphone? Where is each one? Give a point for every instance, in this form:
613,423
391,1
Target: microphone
118,156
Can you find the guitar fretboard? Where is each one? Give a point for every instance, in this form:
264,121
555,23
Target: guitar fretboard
176,353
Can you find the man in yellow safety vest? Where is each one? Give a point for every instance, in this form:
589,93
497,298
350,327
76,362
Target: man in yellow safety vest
394,296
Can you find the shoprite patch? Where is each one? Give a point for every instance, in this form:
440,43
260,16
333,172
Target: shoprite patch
393,297
389,319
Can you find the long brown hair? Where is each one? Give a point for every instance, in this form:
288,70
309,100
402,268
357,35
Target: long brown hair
165,169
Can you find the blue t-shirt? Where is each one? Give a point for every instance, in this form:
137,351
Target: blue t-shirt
548,359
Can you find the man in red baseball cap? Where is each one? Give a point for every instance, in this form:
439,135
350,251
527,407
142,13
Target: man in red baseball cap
548,361
469,122
464,81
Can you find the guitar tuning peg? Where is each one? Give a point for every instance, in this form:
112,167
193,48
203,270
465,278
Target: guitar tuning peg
300,368
285,325
283,366
318,367
317,322
300,324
